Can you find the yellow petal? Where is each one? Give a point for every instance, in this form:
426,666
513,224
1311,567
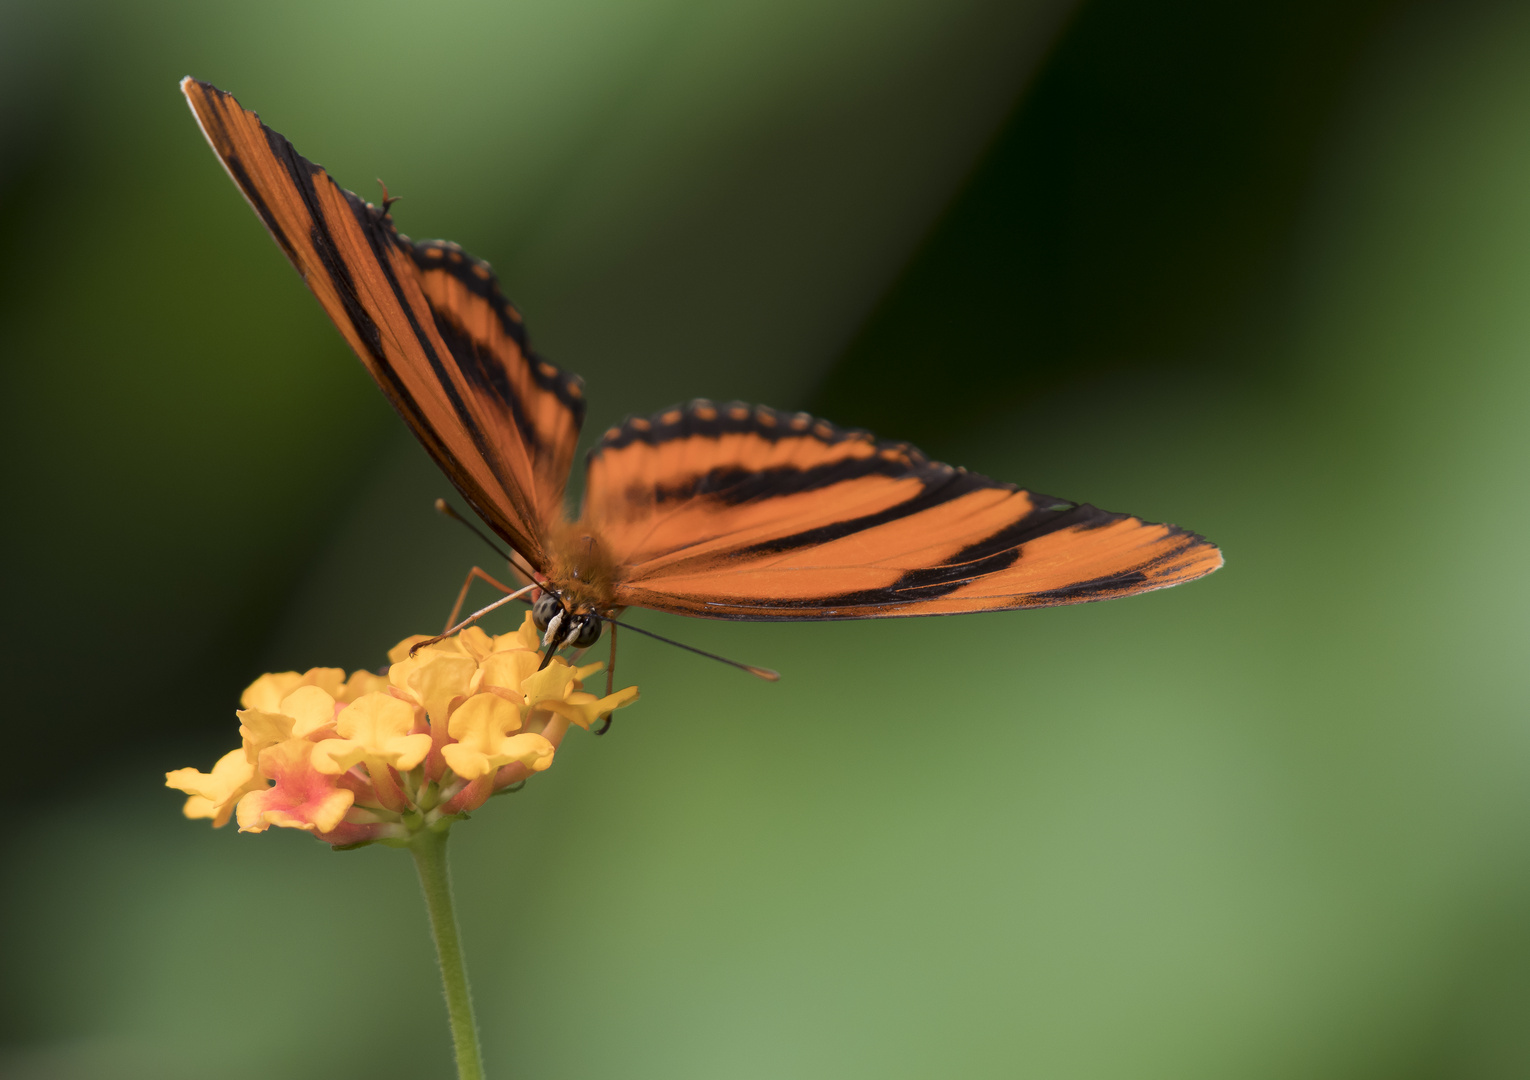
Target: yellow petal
213,794
232,770
375,718
507,642
471,761
259,810
302,797
527,636
262,729
333,756
328,679
508,670
266,692
400,652
481,725
362,682
466,761
475,642
483,720
532,751
197,807
438,680
379,726
619,699
585,709
310,708
406,751
552,683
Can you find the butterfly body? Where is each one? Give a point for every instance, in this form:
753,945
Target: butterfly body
580,570
730,511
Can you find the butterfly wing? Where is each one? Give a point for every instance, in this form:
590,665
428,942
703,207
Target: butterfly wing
745,513
427,320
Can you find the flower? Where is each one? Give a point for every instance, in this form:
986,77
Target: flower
380,757
214,794
300,796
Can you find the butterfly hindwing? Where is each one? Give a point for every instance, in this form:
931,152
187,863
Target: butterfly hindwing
742,512
427,320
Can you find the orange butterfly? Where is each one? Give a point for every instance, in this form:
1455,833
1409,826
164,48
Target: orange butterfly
722,511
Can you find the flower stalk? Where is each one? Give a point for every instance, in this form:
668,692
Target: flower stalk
429,850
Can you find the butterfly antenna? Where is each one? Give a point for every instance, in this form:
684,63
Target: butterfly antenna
444,508
758,672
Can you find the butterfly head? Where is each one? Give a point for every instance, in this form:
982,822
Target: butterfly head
564,625
579,586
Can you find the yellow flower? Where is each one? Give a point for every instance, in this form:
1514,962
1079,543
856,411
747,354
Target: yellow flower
482,727
214,794
435,678
556,690
299,714
266,693
378,757
375,727
301,796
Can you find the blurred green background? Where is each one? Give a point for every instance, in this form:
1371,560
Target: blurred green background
1260,269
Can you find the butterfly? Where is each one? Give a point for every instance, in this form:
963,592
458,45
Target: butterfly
727,511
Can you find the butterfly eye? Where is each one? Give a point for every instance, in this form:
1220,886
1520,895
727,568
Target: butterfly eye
584,632
544,609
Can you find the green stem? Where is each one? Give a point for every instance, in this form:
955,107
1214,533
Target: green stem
429,850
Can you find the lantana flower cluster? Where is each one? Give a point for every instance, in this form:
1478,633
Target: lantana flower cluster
380,757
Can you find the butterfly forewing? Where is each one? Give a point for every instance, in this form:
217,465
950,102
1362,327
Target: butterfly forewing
746,513
428,322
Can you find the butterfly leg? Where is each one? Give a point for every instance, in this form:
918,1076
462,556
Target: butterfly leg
610,675
478,573
471,619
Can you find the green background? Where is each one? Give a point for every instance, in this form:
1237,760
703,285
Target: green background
1259,269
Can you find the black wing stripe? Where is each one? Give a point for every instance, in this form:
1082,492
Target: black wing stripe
702,417
938,489
941,484
732,486
485,374
478,278
983,557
